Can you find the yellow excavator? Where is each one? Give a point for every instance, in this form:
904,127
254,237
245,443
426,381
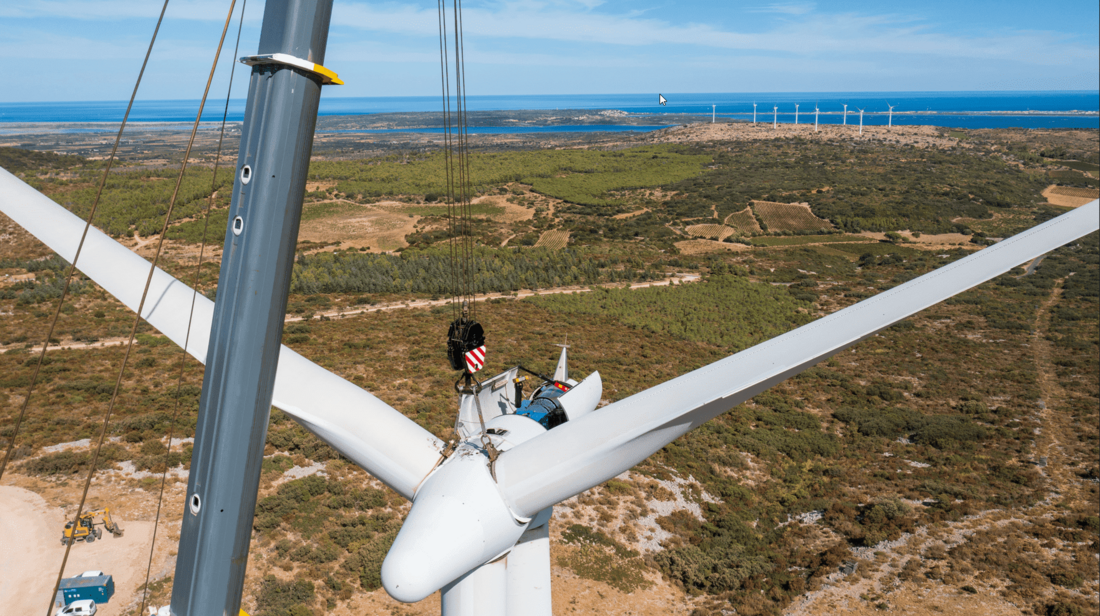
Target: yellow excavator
85,529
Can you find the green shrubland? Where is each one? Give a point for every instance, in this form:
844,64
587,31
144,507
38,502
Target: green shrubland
317,521
727,310
279,598
860,187
583,177
595,556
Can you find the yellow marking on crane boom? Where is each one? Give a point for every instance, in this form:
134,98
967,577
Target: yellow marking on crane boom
333,79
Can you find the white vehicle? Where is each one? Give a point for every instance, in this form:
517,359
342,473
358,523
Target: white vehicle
84,607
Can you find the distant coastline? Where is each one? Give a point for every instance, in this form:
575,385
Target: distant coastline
561,112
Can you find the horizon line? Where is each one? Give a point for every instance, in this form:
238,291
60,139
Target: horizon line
472,96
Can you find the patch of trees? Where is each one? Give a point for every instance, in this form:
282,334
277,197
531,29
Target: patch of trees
138,200
17,160
939,431
429,272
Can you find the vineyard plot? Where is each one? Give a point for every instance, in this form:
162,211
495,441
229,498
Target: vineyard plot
743,221
793,217
554,240
711,231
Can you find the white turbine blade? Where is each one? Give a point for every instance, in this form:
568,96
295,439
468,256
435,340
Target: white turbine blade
366,430
584,453
111,265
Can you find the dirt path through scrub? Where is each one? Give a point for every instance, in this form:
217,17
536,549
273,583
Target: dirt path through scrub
844,595
677,278
1056,419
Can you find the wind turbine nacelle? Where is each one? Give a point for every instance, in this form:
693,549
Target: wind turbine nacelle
459,518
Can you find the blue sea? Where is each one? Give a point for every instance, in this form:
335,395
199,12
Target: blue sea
1073,109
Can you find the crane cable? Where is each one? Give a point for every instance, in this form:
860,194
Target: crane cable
191,314
141,304
445,83
79,248
457,163
465,337
463,160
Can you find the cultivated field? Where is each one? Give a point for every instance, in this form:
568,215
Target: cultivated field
1068,196
710,231
793,217
743,221
553,240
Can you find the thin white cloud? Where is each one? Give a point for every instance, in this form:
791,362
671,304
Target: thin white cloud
806,36
113,10
785,8
802,31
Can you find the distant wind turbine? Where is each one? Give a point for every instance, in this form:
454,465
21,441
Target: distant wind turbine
713,112
754,113
890,122
861,121
816,112
845,114
796,114
775,116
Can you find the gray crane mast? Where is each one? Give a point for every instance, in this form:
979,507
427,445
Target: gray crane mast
276,143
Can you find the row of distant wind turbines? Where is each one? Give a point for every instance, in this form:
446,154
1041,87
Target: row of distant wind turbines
817,111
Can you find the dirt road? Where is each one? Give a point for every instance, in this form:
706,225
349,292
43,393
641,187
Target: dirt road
677,278
332,314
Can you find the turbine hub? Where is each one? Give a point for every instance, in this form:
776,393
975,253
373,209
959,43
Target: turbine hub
458,522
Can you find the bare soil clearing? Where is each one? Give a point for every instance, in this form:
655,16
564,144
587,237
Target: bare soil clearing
512,212
376,227
30,533
696,247
926,240
630,214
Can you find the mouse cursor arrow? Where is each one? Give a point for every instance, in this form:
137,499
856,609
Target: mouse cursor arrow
661,99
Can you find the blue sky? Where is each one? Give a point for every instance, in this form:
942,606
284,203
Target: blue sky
89,50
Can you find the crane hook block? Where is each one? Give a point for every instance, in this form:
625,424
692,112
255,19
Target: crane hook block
466,345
